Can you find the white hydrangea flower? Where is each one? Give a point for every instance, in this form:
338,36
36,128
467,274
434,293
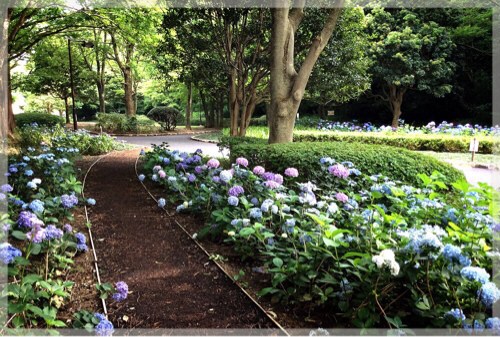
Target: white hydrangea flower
388,259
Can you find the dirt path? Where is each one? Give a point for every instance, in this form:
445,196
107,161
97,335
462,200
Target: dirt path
173,284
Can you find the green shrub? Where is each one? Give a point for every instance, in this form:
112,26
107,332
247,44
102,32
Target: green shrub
112,122
120,123
259,121
167,117
41,119
416,142
393,162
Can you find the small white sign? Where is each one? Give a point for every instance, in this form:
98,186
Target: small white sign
474,145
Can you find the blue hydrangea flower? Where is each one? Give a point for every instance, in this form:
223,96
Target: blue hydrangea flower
8,253
142,177
489,294
28,173
456,313
255,213
104,328
81,240
233,201
31,185
475,274
37,206
254,201
454,254
161,202
493,323
91,201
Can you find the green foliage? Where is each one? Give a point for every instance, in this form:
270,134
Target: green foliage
398,164
57,136
416,142
167,117
121,123
25,119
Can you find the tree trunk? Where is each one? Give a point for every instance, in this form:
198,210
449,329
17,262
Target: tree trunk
189,106
66,109
287,86
128,86
395,101
11,122
234,107
102,97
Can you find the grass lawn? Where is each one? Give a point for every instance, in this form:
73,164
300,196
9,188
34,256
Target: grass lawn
464,159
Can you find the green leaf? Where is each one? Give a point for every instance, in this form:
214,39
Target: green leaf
247,231
19,235
278,262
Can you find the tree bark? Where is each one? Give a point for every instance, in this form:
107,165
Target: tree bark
102,96
287,86
11,122
395,102
66,109
128,86
189,106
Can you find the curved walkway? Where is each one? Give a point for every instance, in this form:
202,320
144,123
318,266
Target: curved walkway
173,284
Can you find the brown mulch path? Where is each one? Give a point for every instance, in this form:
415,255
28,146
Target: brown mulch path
173,284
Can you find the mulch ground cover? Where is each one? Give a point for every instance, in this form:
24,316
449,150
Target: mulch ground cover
173,283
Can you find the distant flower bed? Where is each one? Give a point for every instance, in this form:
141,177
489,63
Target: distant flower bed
431,128
43,194
372,251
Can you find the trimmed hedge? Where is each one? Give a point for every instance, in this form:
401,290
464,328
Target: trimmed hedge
41,119
416,142
393,162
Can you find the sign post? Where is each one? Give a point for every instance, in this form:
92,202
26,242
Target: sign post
473,147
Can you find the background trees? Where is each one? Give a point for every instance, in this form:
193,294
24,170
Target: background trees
231,62
408,54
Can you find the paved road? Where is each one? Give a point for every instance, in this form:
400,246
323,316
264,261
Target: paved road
177,142
185,143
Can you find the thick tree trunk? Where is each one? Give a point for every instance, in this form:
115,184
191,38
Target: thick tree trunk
395,102
102,96
189,106
128,87
287,86
66,109
234,107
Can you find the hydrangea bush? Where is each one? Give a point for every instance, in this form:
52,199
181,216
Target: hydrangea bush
39,242
375,252
431,128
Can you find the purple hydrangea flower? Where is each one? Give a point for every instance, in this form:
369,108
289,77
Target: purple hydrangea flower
236,191
278,178
198,169
81,240
53,233
67,228
292,172
242,161
339,171
69,201
121,291
6,188
37,234
191,178
268,176
216,179
27,219
213,163
258,170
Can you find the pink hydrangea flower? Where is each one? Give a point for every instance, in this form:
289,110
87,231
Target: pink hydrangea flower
292,172
242,161
213,163
339,171
258,170
162,174
341,197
